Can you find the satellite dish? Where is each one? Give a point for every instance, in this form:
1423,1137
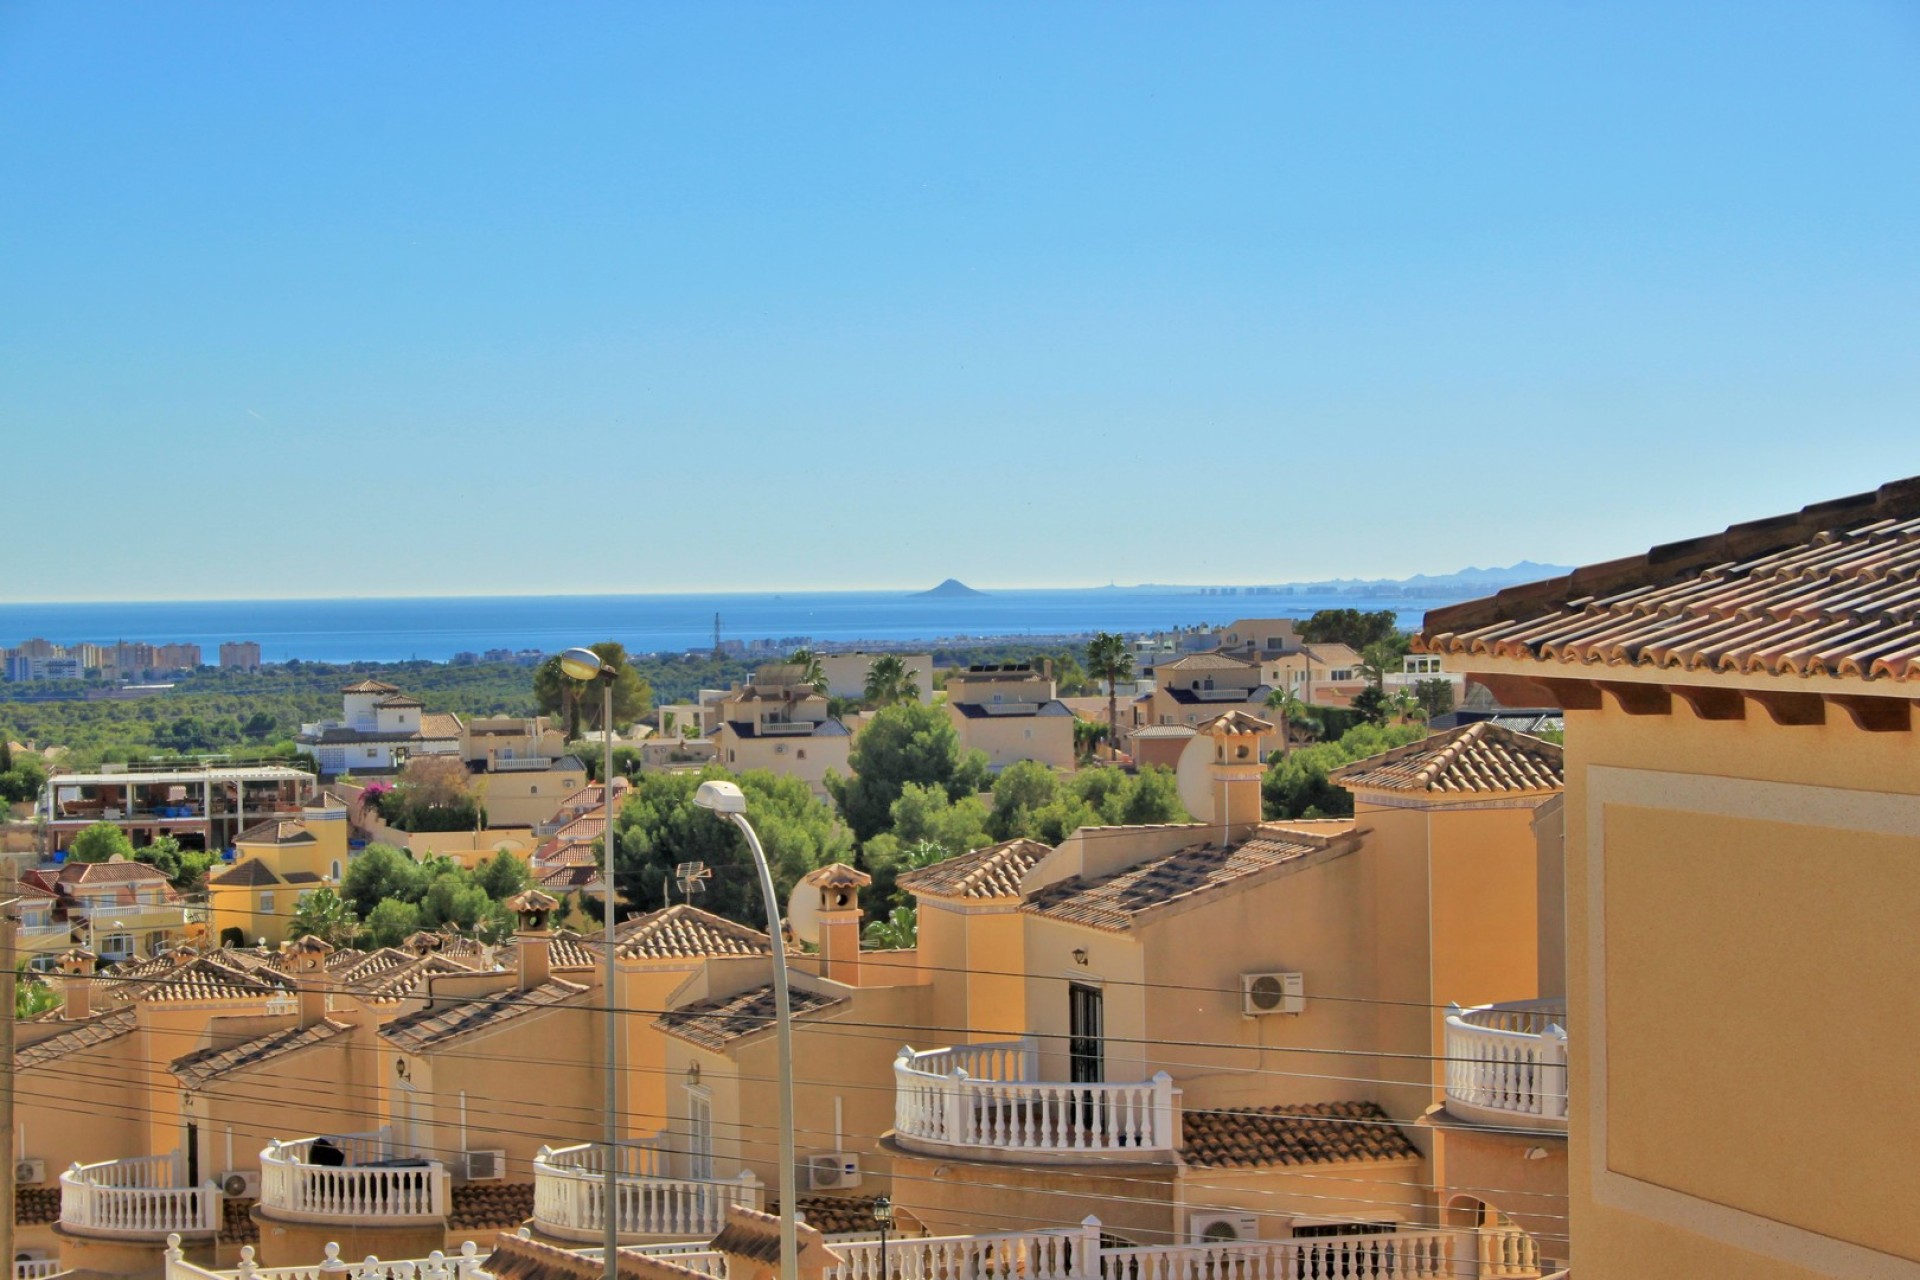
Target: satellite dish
803,913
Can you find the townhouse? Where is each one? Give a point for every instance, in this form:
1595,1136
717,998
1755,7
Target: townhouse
780,723
1011,713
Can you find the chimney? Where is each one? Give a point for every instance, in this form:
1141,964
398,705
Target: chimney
306,960
1234,772
76,984
838,886
533,910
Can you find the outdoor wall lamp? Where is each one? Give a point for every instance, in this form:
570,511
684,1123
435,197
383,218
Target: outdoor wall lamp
1080,956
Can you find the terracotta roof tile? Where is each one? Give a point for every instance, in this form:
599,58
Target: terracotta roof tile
1475,759
439,724
236,1222
1833,589
90,1034
1205,662
36,1206
247,873
568,877
371,686
835,1215
837,875
197,1070
713,1024
428,1028
490,1206
1112,902
206,978
95,873
519,1258
683,932
1317,1133
276,831
992,872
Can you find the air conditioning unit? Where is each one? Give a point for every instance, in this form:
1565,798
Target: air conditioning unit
485,1166
239,1185
1222,1228
29,1173
1263,993
830,1171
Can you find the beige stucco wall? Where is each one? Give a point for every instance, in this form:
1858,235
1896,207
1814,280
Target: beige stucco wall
516,798
1477,1164
807,758
1760,988
1007,739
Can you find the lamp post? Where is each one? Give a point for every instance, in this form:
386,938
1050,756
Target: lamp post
584,665
883,1214
727,800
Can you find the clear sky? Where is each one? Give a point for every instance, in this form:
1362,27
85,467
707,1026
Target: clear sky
444,298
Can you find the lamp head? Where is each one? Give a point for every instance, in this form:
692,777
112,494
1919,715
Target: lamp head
883,1211
721,796
581,664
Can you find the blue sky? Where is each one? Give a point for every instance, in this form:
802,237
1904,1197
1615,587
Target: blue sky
438,298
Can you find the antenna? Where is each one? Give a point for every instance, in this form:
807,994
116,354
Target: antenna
692,878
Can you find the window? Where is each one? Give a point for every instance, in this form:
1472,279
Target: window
336,869
1029,733
801,754
266,904
699,1132
117,946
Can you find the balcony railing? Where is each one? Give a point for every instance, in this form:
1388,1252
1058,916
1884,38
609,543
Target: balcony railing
1507,1063
787,728
369,1183
137,1199
984,1097
438,1265
569,1194
35,1268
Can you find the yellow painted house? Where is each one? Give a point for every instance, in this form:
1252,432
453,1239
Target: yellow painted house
277,863
1742,868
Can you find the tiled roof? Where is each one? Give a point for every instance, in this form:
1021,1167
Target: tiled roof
248,872
236,1221
207,979
1111,902
568,877
1833,589
1475,759
1164,731
837,875
36,1206
1010,710
835,1215
683,932
1236,721
516,1257
400,700
276,831
1255,696
992,872
95,1031
96,873
1205,662
573,853
1333,654
428,1028
371,686
490,1206
586,827
439,724
567,950
394,985
1317,1133
197,1070
713,1024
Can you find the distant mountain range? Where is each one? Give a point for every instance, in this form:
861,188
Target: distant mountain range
1464,583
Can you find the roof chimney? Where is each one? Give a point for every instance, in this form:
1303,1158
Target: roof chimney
533,910
839,888
76,983
306,959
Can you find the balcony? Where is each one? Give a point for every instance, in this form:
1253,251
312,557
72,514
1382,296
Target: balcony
983,1100
36,1268
137,1199
1507,1064
787,728
350,1177
569,1190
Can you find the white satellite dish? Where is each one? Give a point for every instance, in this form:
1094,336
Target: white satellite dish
803,913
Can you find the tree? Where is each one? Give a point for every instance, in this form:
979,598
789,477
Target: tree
557,693
890,680
1380,659
21,780
1298,786
391,922
906,742
502,876
1087,735
326,916
1109,659
1371,705
1153,798
101,842
1288,710
185,869
1350,627
1405,705
812,673
380,874
33,997
1023,788
899,931
1436,696
660,827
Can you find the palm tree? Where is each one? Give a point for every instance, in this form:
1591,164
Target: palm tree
1087,736
812,673
899,931
1406,705
891,680
1109,659
1286,705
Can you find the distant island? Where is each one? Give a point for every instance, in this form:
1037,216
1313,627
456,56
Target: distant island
951,589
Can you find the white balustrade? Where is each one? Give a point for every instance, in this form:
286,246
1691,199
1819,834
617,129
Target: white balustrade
1025,1255
136,1199
368,1184
984,1096
464,1265
35,1268
1507,1063
1508,1251
1394,1255
569,1193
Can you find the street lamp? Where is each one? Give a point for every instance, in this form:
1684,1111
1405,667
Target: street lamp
585,665
727,800
883,1214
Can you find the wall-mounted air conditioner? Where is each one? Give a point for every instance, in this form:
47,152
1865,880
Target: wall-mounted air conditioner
1222,1228
239,1184
830,1171
484,1166
29,1173
1264,993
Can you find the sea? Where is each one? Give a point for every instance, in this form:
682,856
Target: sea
438,628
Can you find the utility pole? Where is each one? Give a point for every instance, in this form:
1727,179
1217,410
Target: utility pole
9,997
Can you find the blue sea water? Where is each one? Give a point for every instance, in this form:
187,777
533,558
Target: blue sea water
436,628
